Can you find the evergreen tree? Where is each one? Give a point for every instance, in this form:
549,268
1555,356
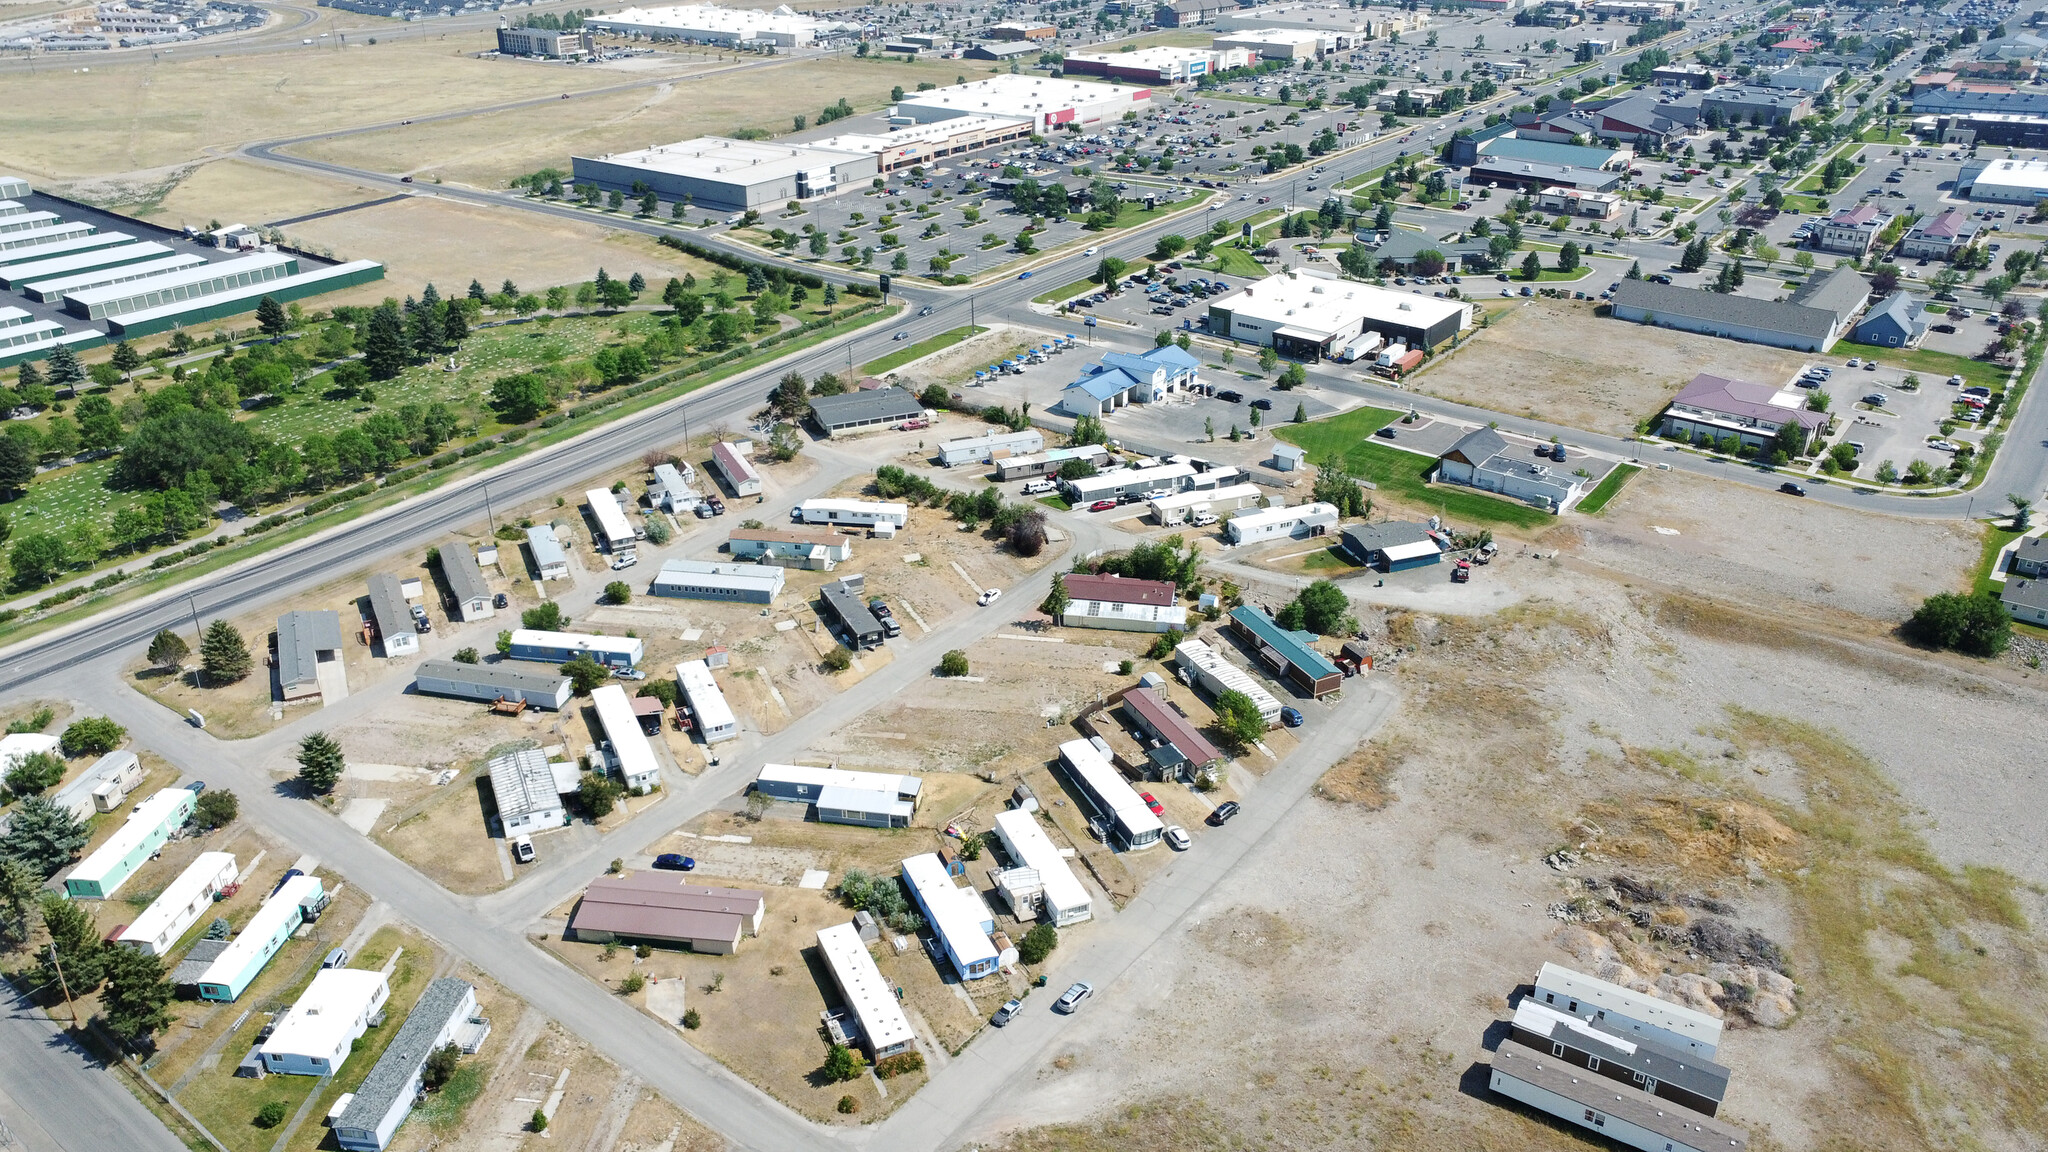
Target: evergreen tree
1057,600
637,284
476,291
17,465
423,332
455,328
1635,271
429,296
320,762
168,650
508,288
42,836
222,655
64,369
603,278
385,352
28,379
126,359
137,1000
271,318
75,939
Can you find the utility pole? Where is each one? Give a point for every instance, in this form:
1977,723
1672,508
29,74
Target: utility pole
198,637
62,984
493,520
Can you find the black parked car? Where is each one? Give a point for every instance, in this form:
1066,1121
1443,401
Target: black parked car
1263,404
1223,813
1791,489
1229,397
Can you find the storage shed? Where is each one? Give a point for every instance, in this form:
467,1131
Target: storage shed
391,617
1287,653
469,595
715,719
540,688
682,579
549,560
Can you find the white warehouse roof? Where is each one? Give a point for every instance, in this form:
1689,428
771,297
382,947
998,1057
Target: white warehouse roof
715,157
1028,97
1322,305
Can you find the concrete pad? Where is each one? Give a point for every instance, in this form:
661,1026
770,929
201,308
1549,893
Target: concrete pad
665,998
356,770
333,682
361,814
813,878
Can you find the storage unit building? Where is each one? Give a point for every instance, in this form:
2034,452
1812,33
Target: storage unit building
493,682
523,786
856,513
1121,604
1049,462
613,529
1635,1119
635,756
562,647
273,924
180,904
681,579
445,1013
856,411
857,623
982,449
1112,798
884,1029
714,717
1287,653
305,641
315,1035
548,558
102,787
1182,506
867,799
1065,900
149,825
196,303
470,594
791,548
1303,520
733,466
958,917
1216,675
1161,722
661,908
391,617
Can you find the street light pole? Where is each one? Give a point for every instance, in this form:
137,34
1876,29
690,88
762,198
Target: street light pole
491,519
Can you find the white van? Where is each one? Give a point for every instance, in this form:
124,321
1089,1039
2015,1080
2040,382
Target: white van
1034,487
1202,519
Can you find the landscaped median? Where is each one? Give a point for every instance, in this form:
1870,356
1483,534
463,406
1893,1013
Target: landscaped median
919,350
1399,474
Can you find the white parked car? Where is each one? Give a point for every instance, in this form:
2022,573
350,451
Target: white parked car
988,596
1177,838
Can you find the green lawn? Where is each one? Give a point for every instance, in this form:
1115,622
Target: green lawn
1331,559
1065,292
895,360
1134,213
1932,367
1400,475
1994,539
1237,262
1338,434
1056,503
1551,274
1607,489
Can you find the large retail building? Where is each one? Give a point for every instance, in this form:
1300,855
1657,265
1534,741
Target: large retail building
1309,313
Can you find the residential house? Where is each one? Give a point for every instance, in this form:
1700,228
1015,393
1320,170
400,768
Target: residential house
307,641
1715,407
2030,558
1899,322
1160,721
1393,545
1939,238
1481,460
469,594
1121,604
2026,599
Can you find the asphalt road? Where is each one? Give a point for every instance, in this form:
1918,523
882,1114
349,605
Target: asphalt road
56,1097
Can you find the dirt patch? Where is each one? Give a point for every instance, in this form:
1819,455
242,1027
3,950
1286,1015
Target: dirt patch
1365,778
1553,360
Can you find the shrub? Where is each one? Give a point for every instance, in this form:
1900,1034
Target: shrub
953,663
632,983
539,1123
843,1063
618,592
270,1115
441,1065
838,659
899,1064
848,1105
216,809
643,951
1124,667
693,1020
1038,944
1976,625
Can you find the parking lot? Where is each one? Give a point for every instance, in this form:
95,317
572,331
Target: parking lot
1901,429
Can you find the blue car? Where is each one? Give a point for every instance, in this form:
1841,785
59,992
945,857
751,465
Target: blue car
1291,717
1023,275
675,862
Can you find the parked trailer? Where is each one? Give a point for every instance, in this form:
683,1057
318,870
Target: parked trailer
862,513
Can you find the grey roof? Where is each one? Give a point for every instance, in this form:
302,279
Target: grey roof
1662,300
387,605
1691,1073
870,407
1591,1090
2033,548
852,610
1479,445
1404,245
193,967
459,568
1365,538
1841,292
504,677
1755,95
1598,179
2026,594
522,782
1900,307
1545,151
396,1070
1937,101
301,636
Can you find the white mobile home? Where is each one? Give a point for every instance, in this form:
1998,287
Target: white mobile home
715,719
1110,795
1130,482
1253,527
1182,506
490,683
1626,1012
733,466
958,916
635,756
884,1029
857,513
102,787
1066,901
1047,463
548,558
523,787
180,904
445,1013
562,647
612,526
1207,667
671,490
982,449
316,1034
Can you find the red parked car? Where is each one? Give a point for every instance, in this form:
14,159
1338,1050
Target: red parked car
1154,805
1102,506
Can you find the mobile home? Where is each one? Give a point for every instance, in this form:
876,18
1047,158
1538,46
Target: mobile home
148,827
239,963
613,528
856,513
562,647
180,904
715,719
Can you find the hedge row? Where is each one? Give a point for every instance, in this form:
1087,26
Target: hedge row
740,264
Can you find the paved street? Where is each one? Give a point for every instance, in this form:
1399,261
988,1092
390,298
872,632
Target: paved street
55,1097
